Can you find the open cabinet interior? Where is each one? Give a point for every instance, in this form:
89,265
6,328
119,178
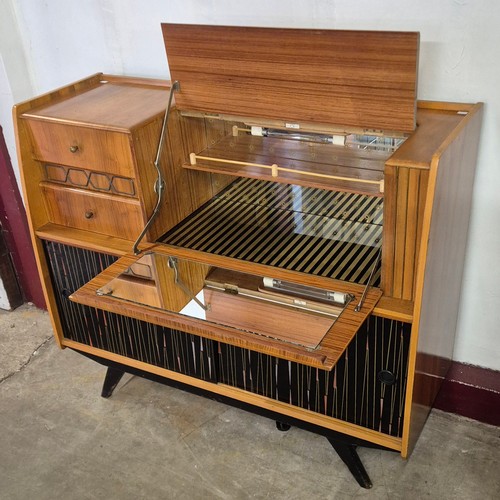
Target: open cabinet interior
306,254
317,231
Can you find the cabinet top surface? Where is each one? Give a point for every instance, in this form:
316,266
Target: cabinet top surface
113,105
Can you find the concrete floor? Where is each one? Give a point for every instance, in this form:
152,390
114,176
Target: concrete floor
60,440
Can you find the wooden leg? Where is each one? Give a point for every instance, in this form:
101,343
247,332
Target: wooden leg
349,455
113,376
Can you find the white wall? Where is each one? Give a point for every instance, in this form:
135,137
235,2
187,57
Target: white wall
460,49
15,78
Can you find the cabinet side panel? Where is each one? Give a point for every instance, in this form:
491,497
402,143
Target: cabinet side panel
440,270
31,176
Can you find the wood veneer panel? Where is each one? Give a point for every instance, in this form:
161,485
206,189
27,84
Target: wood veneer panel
389,229
91,241
194,138
424,184
215,131
96,212
400,232
434,124
410,234
145,144
119,105
98,150
355,78
31,176
440,270
406,191
391,308
331,348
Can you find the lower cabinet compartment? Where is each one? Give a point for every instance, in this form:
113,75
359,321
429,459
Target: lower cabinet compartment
366,387
71,268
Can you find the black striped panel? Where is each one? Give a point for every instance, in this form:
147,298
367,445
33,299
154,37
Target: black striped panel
71,268
325,233
351,392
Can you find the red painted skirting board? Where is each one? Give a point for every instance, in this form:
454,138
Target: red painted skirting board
471,391
16,232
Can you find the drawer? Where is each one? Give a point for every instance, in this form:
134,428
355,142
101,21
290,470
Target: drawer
86,148
101,213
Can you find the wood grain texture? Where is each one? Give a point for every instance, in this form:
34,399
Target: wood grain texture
325,356
119,105
354,78
98,150
390,308
404,202
191,274
440,269
266,319
85,239
31,175
388,230
194,138
402,218
96,212
184,190
144,142
178,198
435,122
216,130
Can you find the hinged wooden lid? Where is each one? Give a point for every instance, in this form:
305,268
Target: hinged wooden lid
359,79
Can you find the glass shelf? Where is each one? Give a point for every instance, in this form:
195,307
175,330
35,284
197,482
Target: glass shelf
324,233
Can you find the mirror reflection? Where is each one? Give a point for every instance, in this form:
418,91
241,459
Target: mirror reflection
261,305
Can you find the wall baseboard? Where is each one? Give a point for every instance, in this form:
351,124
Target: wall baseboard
471,391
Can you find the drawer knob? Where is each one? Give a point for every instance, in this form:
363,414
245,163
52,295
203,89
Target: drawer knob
89,214
73,149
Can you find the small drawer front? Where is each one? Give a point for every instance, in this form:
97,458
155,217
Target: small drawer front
100,213
86,148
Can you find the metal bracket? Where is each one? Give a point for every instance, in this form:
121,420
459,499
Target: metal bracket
365,291
159,184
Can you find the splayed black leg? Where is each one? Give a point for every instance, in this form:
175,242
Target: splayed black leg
349,455
281,426
113,376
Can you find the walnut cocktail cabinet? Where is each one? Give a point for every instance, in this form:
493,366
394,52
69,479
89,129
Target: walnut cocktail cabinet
282,228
